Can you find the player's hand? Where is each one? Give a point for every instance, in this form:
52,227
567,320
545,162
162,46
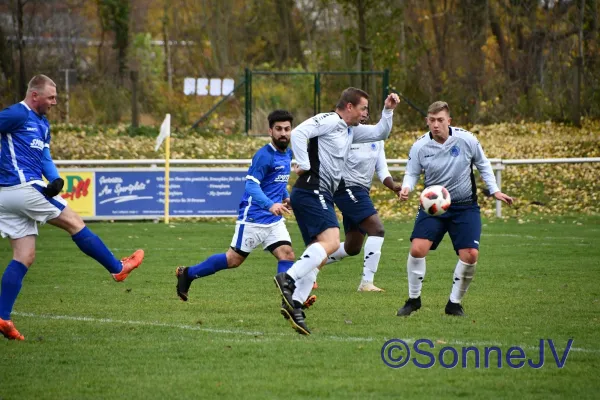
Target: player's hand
287,203
404,193
279,209
502,197
397,188
392,101
54,187
299,171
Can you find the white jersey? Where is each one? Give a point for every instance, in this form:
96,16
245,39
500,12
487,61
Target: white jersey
364,159
450,165
321,144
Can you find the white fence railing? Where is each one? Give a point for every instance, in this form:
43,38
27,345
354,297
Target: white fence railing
397,164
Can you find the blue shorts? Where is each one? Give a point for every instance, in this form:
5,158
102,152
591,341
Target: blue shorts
462,222
356,205
314,212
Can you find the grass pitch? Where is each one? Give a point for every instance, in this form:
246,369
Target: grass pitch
89,337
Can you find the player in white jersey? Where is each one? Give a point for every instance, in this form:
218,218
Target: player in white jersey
447,154
26,200
321,146
360,217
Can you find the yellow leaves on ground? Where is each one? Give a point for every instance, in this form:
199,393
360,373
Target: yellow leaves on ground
541,189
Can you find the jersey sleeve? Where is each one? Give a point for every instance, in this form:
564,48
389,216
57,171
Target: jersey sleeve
259,167
308,129
258,170
48,168
12,118
381,165
374,133
413,168
484,166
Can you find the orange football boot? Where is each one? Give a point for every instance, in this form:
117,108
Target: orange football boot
129,264
7,328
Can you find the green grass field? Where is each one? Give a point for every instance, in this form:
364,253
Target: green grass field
89,337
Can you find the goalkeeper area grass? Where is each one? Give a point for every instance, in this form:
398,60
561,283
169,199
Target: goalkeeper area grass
87,336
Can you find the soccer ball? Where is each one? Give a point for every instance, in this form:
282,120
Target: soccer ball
435,200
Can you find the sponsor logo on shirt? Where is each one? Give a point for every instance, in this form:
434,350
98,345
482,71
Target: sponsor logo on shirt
429,155
37,144
282,178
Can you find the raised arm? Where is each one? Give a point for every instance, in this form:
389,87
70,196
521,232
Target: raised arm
380,131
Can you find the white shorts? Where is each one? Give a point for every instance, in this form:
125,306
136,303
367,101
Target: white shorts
249,236
22,206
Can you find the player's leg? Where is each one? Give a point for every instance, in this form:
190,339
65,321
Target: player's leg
318,224
373,227
91,245
465,232
245,239
427,233
12,281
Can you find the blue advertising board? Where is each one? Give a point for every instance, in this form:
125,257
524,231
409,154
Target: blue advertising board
193,193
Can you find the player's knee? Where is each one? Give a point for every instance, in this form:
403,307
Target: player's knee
25,257
352,251
377,231
469,256
419,251
234,260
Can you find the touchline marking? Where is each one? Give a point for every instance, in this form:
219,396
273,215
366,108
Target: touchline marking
270,336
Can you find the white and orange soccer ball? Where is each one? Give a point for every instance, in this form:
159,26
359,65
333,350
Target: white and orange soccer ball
435,200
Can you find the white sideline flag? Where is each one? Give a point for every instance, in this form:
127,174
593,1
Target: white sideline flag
165,131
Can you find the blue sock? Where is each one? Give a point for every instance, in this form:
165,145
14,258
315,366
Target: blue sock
94,247
284,265
209,266
12,280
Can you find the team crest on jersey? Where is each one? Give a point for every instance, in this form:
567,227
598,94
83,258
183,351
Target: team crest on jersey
37,144
373,146
455,151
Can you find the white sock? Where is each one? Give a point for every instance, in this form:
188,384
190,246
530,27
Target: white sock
312,257
372,256
415,267
304,286
337,255
463,275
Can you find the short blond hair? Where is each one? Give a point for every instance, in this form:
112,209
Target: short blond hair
38,83
438,106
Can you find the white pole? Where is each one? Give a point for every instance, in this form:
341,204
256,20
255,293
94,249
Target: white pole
499,182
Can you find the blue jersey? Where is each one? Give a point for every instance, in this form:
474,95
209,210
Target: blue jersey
23,137
266,184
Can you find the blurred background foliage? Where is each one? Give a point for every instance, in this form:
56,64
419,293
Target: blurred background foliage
492,60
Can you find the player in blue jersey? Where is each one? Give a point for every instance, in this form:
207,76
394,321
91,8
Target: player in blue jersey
260,219
447,154
25,199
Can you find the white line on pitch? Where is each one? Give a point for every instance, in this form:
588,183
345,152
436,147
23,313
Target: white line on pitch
269,336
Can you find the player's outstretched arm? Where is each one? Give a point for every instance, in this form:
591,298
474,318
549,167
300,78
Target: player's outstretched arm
380,131
383,173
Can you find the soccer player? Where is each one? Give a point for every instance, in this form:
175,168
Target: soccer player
360,217
25,199
446,154
260,218
321,145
